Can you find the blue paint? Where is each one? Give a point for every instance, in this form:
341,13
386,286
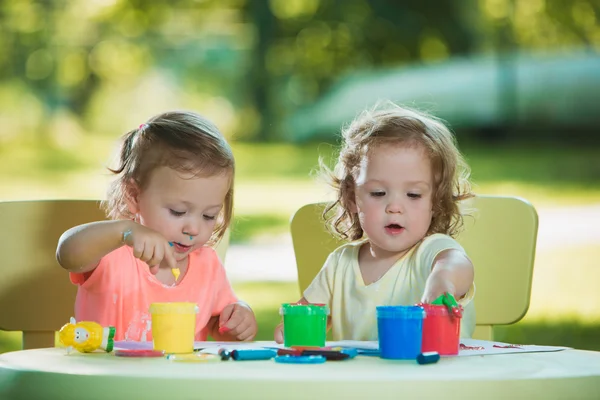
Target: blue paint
400,330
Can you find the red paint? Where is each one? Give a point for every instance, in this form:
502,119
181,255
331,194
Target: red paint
139,353
224,329
457,312
441,330
465,347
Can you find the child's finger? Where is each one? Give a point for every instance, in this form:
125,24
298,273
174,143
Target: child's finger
279,333
169,256
426,299
157,256
147,253
430,296
225,316
138,248
247,334
236,323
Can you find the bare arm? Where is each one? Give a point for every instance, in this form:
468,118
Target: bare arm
81,248
452,272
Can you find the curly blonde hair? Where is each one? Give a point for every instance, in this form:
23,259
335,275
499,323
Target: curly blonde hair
390,125
181,140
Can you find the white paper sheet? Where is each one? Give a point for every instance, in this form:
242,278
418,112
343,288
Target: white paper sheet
204,347
483,347
469,347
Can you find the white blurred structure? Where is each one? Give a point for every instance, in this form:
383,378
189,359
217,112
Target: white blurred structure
561,226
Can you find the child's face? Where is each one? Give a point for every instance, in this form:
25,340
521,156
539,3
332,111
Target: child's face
394,191
182,207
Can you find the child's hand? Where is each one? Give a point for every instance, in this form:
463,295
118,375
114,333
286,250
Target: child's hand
452,273
436,286
149,246
279,333
237,322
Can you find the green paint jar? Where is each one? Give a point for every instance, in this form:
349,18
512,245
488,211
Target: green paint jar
304,324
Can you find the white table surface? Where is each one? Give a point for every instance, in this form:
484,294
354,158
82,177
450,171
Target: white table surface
51,374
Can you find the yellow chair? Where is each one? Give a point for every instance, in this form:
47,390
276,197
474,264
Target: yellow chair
36,296
500,239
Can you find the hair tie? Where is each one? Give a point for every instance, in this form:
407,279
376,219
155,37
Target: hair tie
142,126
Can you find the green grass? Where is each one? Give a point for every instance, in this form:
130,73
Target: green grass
10,341
569,333
248,227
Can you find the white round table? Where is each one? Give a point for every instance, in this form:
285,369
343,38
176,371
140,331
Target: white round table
51,374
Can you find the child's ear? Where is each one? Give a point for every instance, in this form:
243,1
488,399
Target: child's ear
132,193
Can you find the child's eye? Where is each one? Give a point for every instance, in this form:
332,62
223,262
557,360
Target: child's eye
209,217
176,213
377,194
414,195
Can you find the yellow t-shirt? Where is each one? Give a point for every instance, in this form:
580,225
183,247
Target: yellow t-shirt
353,315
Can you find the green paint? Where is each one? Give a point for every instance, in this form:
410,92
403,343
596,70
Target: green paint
304,324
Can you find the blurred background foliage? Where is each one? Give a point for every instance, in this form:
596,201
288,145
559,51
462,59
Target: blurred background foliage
517,80
254,65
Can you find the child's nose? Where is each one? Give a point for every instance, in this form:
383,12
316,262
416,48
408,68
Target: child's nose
394,207
191,230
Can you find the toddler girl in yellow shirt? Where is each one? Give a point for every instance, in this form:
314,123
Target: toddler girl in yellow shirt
399,179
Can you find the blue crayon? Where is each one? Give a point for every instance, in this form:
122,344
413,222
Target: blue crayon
253,354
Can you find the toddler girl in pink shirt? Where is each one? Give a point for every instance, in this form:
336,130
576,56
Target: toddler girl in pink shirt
171,200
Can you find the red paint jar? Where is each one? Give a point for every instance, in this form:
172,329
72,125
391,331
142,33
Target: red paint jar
441,330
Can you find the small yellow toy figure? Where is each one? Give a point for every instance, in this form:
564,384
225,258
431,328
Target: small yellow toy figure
86,336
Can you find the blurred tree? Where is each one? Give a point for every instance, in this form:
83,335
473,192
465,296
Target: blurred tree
64,52
261,58
304,45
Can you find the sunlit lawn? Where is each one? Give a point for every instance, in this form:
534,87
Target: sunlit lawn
273,181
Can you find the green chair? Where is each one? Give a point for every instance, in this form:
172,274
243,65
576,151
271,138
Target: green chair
499,238
36,296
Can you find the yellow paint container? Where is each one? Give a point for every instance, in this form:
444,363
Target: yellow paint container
174,326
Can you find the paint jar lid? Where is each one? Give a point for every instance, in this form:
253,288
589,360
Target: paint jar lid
304,309
173,308
406,312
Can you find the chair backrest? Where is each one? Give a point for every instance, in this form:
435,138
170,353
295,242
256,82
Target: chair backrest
36,296
500,239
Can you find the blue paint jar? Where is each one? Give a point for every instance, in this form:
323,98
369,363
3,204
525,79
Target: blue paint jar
400,330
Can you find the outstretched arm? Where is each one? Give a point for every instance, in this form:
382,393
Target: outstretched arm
452,272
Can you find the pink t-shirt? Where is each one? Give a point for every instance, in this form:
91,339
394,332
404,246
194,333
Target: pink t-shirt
120,290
